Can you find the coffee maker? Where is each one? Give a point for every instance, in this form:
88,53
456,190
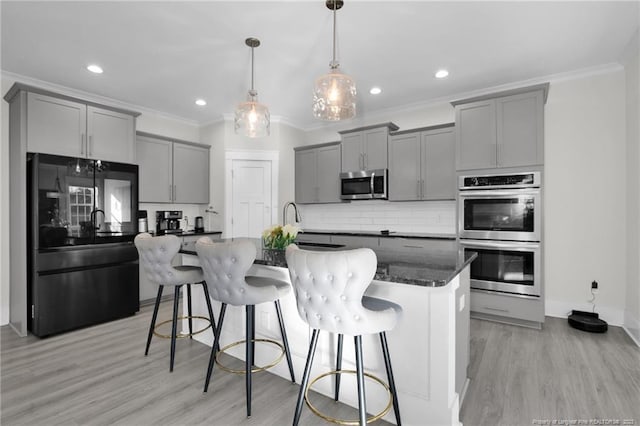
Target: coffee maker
168,222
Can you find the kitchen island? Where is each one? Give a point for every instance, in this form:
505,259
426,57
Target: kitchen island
429,347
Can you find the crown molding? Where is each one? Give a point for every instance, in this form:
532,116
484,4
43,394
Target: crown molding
92,97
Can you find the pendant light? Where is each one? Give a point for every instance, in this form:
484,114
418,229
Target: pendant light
252,117
334,95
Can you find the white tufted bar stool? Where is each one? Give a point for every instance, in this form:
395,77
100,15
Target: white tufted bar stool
329,289
155,255
225,266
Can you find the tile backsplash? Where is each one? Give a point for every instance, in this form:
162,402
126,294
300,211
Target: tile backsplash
438,217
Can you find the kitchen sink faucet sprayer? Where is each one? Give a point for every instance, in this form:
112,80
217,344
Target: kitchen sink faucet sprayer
298,218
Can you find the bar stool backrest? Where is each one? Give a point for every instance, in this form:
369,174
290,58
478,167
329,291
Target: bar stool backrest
329,289
225,267
155,255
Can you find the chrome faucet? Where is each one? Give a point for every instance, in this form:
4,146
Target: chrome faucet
298,218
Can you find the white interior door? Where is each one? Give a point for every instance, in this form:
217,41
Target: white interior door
251,190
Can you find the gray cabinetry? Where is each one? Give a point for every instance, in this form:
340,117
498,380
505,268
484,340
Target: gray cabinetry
366,148
501,130
58,125
355,241
172,172
422,164
317,174
505,308
190,174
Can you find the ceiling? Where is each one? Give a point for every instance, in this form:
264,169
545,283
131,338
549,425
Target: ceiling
162,56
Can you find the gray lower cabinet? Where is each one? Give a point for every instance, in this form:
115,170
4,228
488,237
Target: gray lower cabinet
172,172
366,148
60,126
501,130
317,174
422,164
506,308
355,241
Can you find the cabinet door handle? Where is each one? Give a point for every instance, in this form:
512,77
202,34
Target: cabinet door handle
364,161
90,146
82,144
175,192
418,188
416,247
422,188
496,309
170,192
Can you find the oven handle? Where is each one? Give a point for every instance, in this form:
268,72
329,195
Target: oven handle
499,193
522,245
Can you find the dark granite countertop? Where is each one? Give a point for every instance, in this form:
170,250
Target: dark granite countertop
391,234
422,267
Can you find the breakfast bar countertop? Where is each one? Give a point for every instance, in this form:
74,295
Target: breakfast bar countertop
425,267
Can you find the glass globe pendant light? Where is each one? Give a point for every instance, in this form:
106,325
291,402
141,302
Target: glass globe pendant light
334,95
252,117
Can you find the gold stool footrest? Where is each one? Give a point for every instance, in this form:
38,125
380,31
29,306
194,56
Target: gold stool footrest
342,421
182,335
255,368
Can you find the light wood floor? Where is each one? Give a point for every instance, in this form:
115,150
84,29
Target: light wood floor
99,376
520,376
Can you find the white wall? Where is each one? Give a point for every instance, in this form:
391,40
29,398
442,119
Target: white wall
584,186
221,136
632,74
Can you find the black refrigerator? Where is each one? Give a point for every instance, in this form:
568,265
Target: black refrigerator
83,266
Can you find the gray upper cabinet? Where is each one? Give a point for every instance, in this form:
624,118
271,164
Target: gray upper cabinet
501,130
366,148
422,164
155,162
172,172
190,174
404,167
317,174
438,154
62,126
110,135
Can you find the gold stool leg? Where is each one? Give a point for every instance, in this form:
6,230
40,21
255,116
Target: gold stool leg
345,421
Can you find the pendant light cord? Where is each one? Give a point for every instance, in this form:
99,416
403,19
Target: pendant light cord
334,63
252,89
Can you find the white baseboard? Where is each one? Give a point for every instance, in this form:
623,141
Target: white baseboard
612,316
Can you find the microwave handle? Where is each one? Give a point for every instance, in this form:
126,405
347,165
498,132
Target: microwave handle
371,186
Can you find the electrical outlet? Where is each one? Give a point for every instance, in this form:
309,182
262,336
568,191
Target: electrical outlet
594,286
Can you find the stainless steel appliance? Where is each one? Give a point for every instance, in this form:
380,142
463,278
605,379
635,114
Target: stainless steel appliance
83,266
168,222
505,266
499,217
364,185
500,207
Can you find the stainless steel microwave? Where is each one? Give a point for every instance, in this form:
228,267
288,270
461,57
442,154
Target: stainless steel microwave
364,185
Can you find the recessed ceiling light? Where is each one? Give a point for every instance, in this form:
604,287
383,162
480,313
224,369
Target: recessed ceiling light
95,69
442,73
375,91
201,102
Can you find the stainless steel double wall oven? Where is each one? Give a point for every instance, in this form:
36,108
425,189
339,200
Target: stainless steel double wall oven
500,218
